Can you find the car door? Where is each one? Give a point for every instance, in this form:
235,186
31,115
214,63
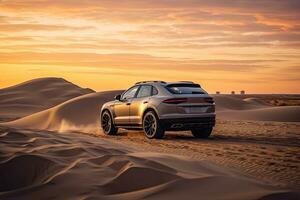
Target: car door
121,108
139,104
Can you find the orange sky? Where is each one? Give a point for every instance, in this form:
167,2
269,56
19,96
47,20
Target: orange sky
223,45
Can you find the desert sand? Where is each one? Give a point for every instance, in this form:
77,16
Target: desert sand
235,107
57,151
36,95
77,114
69,115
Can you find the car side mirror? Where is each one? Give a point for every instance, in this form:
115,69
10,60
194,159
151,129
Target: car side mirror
118,97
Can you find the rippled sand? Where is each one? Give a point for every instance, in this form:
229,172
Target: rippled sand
49,165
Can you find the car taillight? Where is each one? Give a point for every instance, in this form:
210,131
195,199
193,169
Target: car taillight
175,100
209,100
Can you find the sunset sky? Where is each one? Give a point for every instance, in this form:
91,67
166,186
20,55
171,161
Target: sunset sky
227,45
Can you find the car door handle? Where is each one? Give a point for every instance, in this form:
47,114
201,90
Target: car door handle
145,102
128,104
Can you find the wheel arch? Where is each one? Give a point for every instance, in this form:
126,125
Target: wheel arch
103,110
150,109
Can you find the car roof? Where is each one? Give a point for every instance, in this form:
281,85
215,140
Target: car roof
164,83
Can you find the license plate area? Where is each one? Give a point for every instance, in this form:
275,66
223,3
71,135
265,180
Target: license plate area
202,109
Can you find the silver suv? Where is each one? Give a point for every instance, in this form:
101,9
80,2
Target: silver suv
158,106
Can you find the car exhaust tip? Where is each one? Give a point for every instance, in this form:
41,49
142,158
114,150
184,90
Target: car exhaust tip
177,126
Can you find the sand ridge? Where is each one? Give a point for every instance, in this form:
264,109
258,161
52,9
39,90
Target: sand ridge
36,95
72,166
81,114
235,107
266,151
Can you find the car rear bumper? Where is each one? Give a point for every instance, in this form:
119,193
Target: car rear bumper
188,123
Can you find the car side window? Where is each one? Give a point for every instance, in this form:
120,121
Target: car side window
130,93
154,91
145,91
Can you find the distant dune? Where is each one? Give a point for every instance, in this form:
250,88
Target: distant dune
36,95
279,114
235,108
80,113
229,102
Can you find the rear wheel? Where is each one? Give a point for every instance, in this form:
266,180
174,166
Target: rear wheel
202,132
107,124
152,127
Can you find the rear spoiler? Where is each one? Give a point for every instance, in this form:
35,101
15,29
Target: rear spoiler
183,85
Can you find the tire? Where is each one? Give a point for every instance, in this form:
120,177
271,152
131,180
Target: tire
152,126
107,124
202,132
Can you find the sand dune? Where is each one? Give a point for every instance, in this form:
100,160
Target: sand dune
49,165
279,114
75,166
36,95
235,108
256,101
80,114
229,102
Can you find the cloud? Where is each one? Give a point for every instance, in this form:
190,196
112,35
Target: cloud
39,27
248,39
162,9
257,5
133,61
15,38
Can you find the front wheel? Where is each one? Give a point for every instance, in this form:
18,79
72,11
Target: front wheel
152,127
107,124
202,132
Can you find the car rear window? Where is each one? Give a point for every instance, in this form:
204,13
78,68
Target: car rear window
185,89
